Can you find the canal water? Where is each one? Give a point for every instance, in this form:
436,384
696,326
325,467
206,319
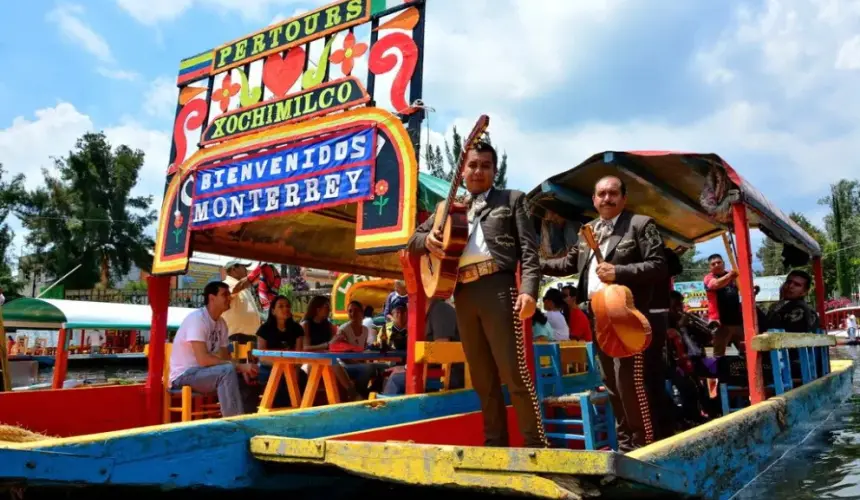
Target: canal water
825,464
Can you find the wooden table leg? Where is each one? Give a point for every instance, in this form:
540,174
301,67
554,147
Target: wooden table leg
271,388
330,380
313,385
293,385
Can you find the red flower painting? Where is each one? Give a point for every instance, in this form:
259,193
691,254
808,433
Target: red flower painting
346,56
226,92
381,188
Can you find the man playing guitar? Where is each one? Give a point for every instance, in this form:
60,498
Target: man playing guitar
501,236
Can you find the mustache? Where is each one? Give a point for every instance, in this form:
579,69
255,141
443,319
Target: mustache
607,204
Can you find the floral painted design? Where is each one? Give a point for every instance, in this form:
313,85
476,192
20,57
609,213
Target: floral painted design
226,92
346,56
380,190
177,223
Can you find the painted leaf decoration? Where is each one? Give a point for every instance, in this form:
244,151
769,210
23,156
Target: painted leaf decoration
248,96
315,76
190,118
281,72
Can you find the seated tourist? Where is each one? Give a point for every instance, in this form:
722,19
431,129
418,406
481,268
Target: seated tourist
318,329
541,329
686,340
397,328
792,313
280,332
371,326
556,312
577,320
200,357
396,298
440,326
354,376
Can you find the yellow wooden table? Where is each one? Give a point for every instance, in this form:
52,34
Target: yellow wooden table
285,363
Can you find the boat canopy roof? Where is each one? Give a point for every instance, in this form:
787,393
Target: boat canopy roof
320,239
689,195
55,314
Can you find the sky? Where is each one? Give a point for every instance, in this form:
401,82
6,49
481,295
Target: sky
767,84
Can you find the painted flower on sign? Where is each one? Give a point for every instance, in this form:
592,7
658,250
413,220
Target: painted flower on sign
381,188
226,92
346,56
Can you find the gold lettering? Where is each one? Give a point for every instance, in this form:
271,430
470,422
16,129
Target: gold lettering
259,116
326,100
274,36
344,90
332,16
244,121
232,122
259,44
293,30
311,24
241,50
284,110
353,9
308,110
223,54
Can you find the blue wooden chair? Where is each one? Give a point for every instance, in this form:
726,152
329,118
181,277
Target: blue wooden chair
580,416
780,372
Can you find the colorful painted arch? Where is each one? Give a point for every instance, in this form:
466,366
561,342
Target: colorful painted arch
358,237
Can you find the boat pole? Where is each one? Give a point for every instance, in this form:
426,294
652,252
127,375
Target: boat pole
4,356
818,271
61,360
415,322
58,281
158,289
750,318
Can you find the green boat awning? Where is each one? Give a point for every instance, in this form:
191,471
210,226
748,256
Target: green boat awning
432,190
56,314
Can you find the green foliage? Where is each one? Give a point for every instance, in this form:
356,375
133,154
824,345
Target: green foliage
86,215
11,193
436,162
695,266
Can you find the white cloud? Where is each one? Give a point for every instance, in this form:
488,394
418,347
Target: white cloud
160,98
152,12
849,54
68,19
117,74
28,145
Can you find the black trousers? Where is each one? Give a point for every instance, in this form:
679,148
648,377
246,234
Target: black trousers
637,390
485,320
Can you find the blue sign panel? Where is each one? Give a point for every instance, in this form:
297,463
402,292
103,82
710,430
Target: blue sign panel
301,177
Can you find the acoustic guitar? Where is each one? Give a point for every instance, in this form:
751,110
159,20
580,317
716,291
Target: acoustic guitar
622,331
439,275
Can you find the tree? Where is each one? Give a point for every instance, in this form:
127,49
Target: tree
10,195
842,224
452,155
435,162
694,268
86,215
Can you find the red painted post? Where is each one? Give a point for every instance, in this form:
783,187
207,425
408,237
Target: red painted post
742,232
415,323
159,299
818,270
61,359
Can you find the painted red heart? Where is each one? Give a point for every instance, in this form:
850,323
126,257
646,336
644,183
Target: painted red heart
280,73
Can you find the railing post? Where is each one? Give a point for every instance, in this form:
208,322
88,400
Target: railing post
416,321
61,359
750,318
159,297
818,271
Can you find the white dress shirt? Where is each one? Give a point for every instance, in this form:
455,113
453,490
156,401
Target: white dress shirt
594,283
476,249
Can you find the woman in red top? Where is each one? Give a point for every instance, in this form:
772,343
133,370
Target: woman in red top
580,327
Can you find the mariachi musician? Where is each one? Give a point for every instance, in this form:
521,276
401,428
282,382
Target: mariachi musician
633,257
501,236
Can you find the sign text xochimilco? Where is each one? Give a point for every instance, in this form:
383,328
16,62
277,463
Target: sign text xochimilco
326,98
297,31
306,176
